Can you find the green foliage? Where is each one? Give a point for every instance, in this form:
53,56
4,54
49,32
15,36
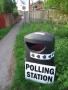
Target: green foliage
3,32
9,6
15,14
58,4
61,57
1,6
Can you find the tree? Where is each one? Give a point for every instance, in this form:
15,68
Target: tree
9,6
1,6
58,4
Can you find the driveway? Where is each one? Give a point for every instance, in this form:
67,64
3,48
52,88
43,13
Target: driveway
6,56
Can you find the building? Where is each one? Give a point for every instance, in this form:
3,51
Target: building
37,6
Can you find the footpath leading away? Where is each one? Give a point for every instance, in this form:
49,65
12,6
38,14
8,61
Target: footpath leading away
6,56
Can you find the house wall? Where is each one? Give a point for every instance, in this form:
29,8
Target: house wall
36,6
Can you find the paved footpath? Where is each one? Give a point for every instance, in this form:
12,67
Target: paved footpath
6,56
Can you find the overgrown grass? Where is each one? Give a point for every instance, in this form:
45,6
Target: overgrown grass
61,57
4,31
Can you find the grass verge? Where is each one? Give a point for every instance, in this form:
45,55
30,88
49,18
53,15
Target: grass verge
4,31
61,57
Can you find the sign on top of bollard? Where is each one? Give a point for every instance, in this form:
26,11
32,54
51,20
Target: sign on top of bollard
39,64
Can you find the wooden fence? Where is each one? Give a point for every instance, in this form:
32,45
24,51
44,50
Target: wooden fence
2,21
51,14
7,20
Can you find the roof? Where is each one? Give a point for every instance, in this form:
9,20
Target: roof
38,2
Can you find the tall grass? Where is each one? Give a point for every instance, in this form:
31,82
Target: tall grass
61,57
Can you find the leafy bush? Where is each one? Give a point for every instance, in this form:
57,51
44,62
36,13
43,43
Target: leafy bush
58,4
15,14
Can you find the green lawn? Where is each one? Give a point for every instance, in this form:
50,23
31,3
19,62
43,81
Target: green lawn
4,31
61,57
